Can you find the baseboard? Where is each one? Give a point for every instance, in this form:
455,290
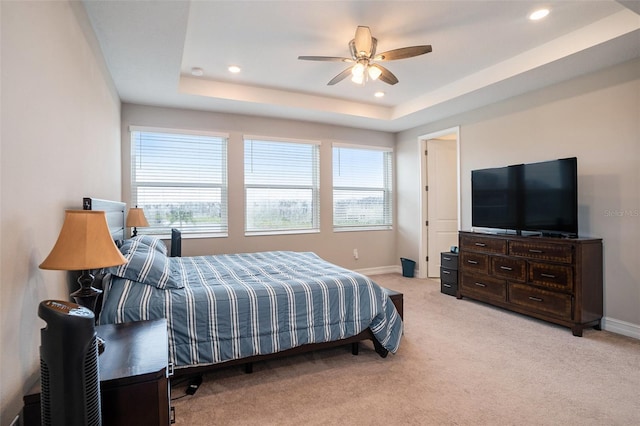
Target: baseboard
621,327
393,269
380,270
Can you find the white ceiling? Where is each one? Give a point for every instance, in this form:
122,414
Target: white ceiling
483,51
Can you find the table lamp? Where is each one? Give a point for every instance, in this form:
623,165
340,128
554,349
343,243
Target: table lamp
84,244
136,218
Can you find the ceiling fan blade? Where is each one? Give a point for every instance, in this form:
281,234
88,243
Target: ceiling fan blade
403,52
353,50
325,58
386,75
363,41
338,78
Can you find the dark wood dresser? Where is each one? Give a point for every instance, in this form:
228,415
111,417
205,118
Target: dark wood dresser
133,370
554,279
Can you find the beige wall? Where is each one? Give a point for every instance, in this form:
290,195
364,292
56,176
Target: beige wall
595,118
375,248
59,116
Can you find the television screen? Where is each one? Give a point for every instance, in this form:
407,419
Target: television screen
550,196
539,197
494,195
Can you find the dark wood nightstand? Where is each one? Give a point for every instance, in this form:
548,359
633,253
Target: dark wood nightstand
134,382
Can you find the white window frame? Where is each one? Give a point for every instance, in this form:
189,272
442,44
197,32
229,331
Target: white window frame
386,188
314,187
222,186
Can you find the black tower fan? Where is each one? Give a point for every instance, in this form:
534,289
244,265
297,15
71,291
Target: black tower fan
69,365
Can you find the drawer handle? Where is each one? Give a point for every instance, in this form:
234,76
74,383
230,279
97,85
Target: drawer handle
535,251
547,275
535,299
446,285
506,268
446,272
473,262
446,258
480,244
480,284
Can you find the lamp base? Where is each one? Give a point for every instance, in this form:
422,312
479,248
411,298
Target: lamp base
86,295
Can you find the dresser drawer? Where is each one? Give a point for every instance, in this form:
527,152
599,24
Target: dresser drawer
558,277
448,288
448,275
449,260
534,250
509,268
483,287
543,301
477,262
483,244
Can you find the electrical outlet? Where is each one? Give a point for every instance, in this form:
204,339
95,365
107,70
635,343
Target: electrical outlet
355,254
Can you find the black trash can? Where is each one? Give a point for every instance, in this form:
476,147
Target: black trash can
408,267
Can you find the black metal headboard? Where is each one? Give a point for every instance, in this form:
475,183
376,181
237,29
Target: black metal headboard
115,211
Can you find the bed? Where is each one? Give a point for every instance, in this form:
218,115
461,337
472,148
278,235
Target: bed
239,308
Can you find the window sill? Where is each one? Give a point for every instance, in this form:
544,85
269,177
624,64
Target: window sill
189,236
267,233
363,228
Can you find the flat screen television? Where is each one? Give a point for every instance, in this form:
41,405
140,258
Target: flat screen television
537,197
493,195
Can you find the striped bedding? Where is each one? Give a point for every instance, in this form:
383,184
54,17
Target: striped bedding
227,307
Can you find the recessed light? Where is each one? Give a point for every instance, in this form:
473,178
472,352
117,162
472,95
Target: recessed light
198,72
539,14
234,69
378,94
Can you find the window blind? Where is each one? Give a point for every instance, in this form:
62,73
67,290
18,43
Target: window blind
362,187
281,185
180,180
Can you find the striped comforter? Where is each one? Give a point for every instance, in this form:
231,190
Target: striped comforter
227,307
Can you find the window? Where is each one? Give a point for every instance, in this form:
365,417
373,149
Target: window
362,187
281,185
180,180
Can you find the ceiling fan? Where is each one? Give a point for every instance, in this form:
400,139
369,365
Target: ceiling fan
364,58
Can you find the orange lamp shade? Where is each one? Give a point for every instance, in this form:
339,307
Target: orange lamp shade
84,243
136,217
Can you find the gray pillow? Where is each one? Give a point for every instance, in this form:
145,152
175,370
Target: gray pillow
153,242
146,265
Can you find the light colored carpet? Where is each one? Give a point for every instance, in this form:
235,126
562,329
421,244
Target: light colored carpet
460,363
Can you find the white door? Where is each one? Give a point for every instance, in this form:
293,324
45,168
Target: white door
442,201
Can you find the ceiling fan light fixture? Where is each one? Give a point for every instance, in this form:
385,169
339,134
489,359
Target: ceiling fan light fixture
358,78
374,72
358,69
